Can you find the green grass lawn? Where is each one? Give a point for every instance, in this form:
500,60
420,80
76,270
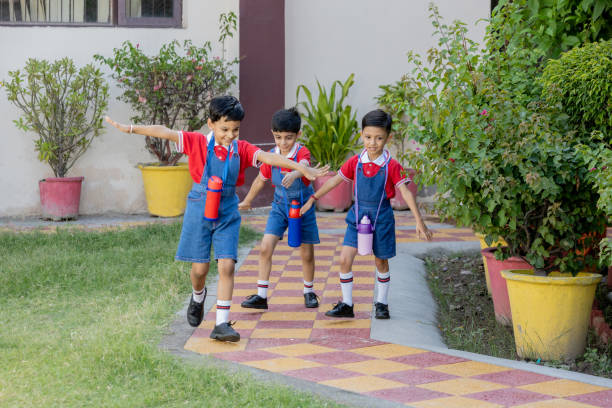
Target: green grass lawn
82,313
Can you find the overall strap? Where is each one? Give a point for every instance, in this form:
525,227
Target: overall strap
210,150
284,190
386,167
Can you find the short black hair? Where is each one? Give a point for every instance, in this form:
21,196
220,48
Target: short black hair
225,106
286,120
377,118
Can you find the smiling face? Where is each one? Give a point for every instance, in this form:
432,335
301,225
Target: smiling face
225,131
285,141
374,139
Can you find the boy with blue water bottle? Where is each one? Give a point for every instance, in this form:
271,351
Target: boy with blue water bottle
376,176
218,154
289,186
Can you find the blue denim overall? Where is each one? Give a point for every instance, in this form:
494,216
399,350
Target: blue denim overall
368,199
198,233
278,220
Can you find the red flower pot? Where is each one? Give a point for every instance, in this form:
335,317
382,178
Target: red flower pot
398,202
338,199
499,289
60,197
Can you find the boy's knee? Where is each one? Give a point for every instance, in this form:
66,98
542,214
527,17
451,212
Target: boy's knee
307,253
381,264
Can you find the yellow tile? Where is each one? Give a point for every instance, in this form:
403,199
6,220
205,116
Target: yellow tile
282,257
338,293
282,364
369,268
374,367
562,388
286,300
249,268
281,333
205,345
246,279
555,403
292,274
468,368
276,267
240,324
462,386
342,324
361,384
324,252
454,402
289,286
323,262
294,262
387,351
302,349
289,315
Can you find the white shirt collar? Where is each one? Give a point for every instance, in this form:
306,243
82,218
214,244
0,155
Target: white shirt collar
291,152
209,135
380,160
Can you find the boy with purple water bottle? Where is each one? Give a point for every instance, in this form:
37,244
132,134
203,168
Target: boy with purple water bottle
376,176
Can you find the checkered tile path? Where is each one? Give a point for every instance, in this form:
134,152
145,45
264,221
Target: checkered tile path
304,343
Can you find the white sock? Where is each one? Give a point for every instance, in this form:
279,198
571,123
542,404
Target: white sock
223,309
346,283
198,296
382,287
262,288
308,287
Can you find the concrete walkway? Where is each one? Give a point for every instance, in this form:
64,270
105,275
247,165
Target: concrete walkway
361,361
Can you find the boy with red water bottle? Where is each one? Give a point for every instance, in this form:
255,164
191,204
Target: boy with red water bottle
219,154
290,186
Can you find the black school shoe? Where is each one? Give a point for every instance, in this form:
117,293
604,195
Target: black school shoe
310,300
195,311
382,311
341,310
225,332
255,302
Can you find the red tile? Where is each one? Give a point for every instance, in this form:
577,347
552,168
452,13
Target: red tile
336,357
599,399
347,343
265,343
317,374
287,292
285,324
340,334
418,376
245,315
509,397
244,356
514,378
428,359
250,262
405,395
358,315
299,307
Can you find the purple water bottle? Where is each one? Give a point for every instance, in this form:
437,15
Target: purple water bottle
365,236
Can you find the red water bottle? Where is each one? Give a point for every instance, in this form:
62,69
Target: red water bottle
295,225
213,198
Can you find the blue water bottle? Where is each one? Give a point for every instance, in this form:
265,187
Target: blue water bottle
295,225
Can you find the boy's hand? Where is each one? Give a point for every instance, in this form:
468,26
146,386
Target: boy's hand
244,205
423,232
312,173
120,126
307,206
290,178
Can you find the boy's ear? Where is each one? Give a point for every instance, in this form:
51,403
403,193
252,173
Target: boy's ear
299,133
209,123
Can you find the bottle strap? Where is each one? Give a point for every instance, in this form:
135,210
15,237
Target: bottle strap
356,191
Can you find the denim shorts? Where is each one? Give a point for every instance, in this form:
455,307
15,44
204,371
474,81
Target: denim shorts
198,234
278,222
384,235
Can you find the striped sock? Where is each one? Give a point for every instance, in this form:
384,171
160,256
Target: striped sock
382,287
223,309
198,295
308,287
262,288
346,284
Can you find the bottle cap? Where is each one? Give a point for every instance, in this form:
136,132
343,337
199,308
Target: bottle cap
365,220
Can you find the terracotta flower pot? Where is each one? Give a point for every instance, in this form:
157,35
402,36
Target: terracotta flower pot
60,197
499,288
338,199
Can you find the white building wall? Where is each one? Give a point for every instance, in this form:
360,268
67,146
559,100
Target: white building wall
112,181
330,39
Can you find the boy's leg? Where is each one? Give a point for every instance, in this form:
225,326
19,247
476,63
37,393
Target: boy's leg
223,330
195,311
383,278
308,269
345,308
260,301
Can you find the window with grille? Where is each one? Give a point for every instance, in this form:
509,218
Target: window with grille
131,13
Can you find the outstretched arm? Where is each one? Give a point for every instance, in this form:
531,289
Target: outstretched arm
256,187
158,131
421,229
325,188
277,160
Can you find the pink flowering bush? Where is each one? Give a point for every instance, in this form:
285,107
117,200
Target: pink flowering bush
173,87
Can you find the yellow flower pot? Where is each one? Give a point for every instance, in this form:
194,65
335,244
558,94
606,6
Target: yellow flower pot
166,188
550,314
483,245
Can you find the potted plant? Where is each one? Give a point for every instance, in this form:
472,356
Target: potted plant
331,134
172,88
64,106
509,169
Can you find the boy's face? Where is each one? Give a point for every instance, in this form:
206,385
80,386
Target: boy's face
374,140
225,131
285,140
